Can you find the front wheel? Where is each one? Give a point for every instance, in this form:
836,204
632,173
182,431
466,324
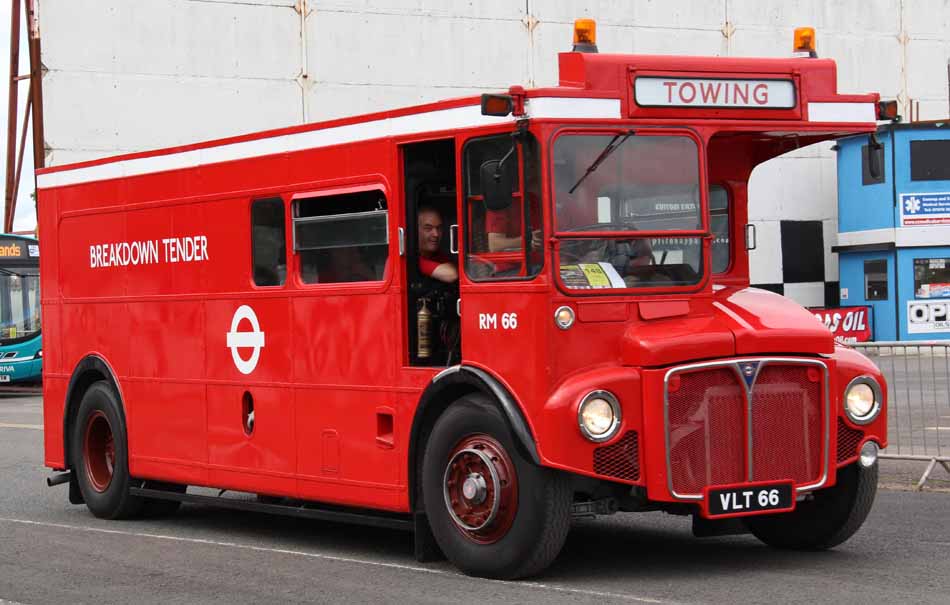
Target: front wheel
832,516
492,511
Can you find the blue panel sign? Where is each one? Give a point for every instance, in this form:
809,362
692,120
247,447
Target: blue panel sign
922,209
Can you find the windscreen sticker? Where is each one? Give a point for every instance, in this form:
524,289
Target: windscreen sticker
149,252
591,276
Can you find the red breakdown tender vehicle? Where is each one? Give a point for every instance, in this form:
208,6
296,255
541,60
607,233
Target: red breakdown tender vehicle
249,314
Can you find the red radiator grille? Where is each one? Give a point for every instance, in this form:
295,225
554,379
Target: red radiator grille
848,440
620,460
706,420
711,434
786,424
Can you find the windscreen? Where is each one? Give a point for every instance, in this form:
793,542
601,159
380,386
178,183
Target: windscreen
19,305
624,182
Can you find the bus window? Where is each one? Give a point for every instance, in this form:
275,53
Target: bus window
719,225
342,238
19,305
268,243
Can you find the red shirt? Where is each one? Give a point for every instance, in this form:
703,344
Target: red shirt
428,264
506,222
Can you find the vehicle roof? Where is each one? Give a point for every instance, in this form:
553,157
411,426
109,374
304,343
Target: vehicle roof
602,80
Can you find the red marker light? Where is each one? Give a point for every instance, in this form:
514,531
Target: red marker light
496,105
887,110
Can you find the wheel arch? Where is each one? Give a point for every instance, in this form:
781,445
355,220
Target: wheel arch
90,370
447,387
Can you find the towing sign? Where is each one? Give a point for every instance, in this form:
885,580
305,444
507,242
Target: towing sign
710,92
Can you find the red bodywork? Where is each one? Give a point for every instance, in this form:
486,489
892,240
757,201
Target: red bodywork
334,395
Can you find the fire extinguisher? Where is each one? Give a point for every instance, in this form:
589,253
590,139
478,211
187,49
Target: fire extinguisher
424,330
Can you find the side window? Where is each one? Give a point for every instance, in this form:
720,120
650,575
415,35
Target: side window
719,225
928,160
505,243
932,277
268,242
875,280
342,238
869,155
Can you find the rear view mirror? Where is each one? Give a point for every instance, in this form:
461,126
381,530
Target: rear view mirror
498,180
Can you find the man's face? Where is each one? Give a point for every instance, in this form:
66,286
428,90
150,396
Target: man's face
430,232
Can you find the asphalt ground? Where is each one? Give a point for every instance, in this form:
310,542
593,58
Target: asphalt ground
53,552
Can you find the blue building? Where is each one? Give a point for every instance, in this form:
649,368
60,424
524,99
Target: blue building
894,229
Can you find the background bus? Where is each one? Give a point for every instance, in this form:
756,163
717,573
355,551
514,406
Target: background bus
21,349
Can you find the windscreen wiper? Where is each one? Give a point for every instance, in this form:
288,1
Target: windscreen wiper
610,148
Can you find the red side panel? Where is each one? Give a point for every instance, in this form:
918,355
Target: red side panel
263,461
54,398
167,430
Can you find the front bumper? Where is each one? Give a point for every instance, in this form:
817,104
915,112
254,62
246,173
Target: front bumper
803,437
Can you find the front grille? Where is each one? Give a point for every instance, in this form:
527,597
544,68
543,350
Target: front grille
848,440
707,413
786,424
719,432
620,460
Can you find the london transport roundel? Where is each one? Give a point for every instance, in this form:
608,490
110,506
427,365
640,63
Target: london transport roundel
245,340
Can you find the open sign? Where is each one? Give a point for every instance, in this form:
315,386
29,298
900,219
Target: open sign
925,317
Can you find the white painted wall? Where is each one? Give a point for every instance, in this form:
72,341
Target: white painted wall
130,75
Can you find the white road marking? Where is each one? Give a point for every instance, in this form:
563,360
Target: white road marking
8,425
335,558
937,428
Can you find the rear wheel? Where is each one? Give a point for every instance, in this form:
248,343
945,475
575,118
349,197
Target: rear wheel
99,455
492,511
832,516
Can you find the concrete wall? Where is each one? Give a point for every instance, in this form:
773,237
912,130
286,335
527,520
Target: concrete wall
125,76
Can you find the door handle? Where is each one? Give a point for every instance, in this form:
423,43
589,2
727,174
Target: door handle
453,239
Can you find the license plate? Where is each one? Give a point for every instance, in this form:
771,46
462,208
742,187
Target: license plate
748,499
4,378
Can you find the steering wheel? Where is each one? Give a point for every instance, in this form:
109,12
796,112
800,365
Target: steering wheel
621,253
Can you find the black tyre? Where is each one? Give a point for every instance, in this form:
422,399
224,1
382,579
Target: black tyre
159,507
492,511
830,518
100,455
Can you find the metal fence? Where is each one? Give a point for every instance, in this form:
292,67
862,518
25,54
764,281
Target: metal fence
918,389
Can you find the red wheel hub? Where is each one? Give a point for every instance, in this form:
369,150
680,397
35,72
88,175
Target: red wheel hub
99,451
481,489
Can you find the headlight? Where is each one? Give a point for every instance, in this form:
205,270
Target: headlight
862,400
598,416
